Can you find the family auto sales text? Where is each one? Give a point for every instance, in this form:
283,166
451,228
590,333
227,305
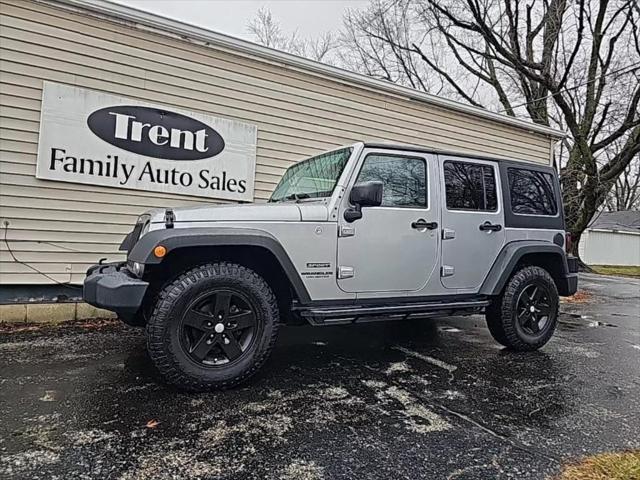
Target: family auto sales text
115,167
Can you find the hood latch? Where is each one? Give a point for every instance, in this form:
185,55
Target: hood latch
169,218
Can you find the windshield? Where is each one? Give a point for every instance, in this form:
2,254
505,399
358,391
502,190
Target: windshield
312,178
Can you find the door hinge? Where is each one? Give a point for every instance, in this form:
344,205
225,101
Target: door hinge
447,271
346,231
345,272
448,234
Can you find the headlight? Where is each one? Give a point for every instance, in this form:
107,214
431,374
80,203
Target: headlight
136,268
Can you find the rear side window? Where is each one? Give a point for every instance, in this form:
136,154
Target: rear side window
404,179
532,192
470,186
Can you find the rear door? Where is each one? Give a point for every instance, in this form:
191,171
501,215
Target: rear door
472,221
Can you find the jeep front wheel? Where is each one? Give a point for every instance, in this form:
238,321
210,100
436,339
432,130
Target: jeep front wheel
524,317
213,327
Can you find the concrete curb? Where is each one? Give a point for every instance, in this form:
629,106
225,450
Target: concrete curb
50,312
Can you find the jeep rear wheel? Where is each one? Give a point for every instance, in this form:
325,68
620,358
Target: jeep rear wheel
213,327
524,317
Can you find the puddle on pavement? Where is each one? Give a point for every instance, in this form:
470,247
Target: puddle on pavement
596,323
449,329
623,315
575,321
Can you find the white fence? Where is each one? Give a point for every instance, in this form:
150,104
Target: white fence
608,247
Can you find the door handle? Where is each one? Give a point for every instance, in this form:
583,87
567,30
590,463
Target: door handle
422,224
490,227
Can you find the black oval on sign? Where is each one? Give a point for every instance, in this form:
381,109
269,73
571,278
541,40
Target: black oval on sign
155,133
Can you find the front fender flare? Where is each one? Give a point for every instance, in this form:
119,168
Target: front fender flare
176,238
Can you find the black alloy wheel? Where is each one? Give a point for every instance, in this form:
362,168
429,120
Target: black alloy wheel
533,309
213,327
524,316
218,327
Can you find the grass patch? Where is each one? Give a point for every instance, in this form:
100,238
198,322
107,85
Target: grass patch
606,466
620,270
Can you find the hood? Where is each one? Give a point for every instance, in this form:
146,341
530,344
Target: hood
260,212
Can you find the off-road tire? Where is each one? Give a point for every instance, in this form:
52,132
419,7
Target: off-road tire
163,342
501,314
493,315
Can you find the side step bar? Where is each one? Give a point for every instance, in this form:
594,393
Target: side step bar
358,314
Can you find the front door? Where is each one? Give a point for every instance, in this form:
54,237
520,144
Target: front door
472,221
393,247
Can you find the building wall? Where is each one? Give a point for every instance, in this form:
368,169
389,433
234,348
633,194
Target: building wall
602,247
60,228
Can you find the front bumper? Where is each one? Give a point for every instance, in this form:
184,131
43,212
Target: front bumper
569,284
112,287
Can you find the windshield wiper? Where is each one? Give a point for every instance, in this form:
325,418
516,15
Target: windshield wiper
297,196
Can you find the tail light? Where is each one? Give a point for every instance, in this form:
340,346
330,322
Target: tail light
568,242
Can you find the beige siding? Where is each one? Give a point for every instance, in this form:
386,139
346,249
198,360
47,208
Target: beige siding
60,228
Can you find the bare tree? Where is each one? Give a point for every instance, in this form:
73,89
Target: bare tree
268,32
373,43
574,65
625,194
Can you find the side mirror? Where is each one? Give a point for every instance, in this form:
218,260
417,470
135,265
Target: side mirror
368,194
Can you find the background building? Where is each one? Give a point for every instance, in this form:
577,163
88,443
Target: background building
62,59
612,238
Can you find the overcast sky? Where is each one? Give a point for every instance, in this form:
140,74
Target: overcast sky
309,17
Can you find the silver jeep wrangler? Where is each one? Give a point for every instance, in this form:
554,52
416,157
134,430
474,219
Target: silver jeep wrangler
361,233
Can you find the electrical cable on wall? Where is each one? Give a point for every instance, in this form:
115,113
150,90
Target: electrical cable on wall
15,259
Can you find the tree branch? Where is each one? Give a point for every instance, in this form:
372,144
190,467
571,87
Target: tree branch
446,76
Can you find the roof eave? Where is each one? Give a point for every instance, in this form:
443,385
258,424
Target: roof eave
182,29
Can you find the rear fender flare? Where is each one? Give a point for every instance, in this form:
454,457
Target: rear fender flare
509,257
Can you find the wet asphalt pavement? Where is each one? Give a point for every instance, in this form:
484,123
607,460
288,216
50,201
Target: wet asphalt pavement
426,399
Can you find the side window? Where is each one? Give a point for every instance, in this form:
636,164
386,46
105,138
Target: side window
470,186
532,192
404,179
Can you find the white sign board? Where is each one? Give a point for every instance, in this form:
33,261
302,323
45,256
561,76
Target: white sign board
102,139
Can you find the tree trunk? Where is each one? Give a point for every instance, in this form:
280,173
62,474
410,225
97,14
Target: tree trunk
575,251
575,241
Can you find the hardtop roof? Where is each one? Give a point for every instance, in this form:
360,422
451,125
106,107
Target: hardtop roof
453,153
